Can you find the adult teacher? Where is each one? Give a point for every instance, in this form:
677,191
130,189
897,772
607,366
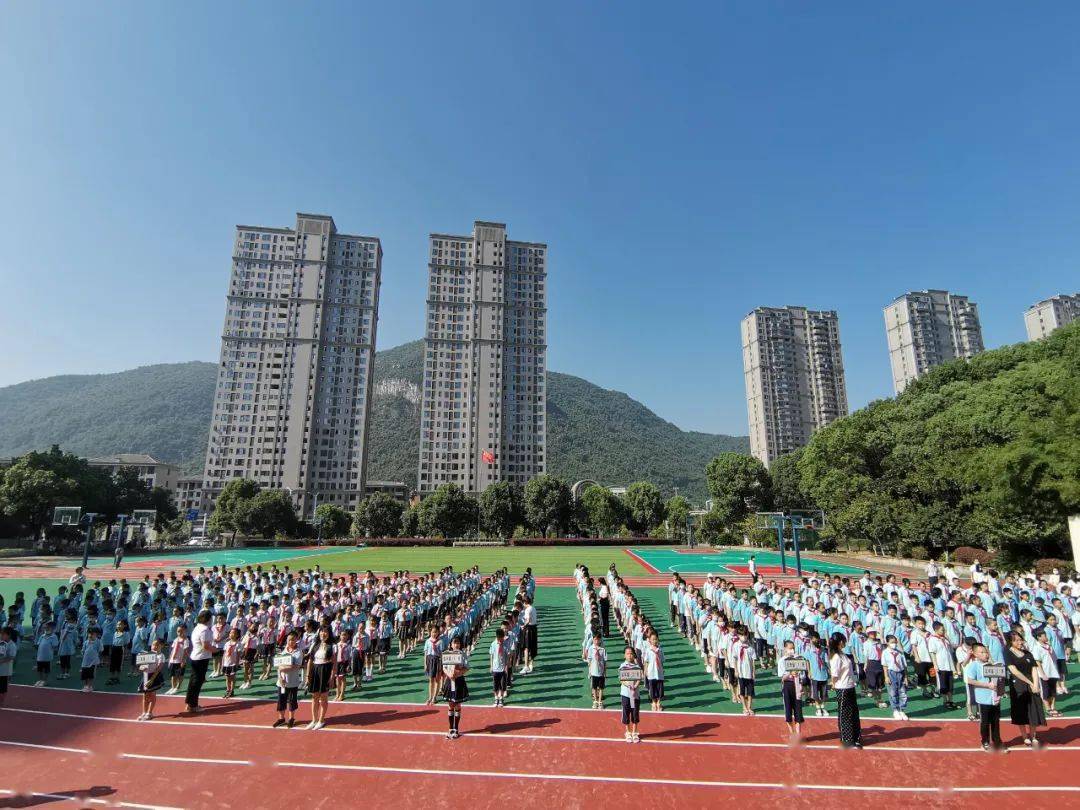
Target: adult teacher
1025,704
202,650
842,674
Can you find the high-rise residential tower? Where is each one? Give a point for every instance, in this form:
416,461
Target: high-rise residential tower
294,380
794,377
928,328
1044,317
483,417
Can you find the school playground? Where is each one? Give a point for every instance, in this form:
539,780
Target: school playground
61,745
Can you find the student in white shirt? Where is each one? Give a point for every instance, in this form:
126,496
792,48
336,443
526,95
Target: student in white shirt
497,654
8,650
653,662
596,657
91,658
628,692
153,678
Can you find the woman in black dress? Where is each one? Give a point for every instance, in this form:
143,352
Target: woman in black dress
1025,705
320,673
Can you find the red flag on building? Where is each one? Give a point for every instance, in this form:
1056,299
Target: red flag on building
488,457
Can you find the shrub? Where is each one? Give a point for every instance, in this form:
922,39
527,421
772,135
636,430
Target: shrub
913,550
827,545
402,542
966,555
592,541
1047,565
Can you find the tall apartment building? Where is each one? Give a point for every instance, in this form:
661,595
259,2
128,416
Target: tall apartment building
928,328
1044,317
294,381
483,416
794,377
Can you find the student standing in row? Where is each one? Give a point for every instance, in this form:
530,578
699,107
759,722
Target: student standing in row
894,663
628,691
987,698
456,690
653,661
290,673
497,655
320,672
153,678
8,650
596,656
791,688
432,664
91,658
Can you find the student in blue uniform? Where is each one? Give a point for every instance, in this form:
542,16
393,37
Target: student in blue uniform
8,650
987,697
456,690
432,664
46,651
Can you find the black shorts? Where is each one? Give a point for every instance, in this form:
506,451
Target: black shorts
249,655
286,698
944,681
792,704
597,681
746,687
656,688
1049,688
922,672
86,674
498,681
432,665
229,670
176,670
44,667
3,684
875,675
341,668
384,646
630,714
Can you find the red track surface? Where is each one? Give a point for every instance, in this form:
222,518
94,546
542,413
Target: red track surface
387,753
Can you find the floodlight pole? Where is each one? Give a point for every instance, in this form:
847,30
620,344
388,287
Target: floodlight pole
86,542
780,537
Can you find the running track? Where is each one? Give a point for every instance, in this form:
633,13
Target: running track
61,746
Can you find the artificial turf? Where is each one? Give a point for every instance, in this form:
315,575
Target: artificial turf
560,678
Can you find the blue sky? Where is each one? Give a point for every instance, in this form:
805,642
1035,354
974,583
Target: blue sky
684,167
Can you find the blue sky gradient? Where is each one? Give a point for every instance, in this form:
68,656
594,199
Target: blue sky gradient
684,166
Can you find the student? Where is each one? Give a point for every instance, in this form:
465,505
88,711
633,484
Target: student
791,688
69,636
941,654
1048,671
596,656
91,658
46,650
120,641
249,651
290,672
875,671
628,692
230,660
653,664
8,650
530,635
819,675
178,653
987,698
432,664
220,634
385,633
497,654
742,667
842,674
894,664
320,671
342,658
456,690
153,678
964,654
1025,705
140,642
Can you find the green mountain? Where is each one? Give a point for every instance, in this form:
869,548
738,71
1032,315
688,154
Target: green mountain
164,410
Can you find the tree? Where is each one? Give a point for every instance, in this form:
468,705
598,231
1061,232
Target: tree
447,512
547,504
333,521
712,528
604,513
35,483
410,521
271,513
644,506
500,509
786,483
739,486
379,515
126,493
678,513
161,501
232,508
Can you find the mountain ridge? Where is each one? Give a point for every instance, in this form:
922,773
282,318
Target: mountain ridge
164,410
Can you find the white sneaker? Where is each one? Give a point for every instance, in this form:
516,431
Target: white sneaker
40,683
317,726
628,737
895,715
310,726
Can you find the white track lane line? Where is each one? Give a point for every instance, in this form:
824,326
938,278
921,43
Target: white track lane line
566,777
45,747
561,738
197,760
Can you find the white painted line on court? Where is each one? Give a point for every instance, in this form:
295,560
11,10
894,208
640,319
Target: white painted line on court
561,738
530,708
45,747
569,777
147,806
197,760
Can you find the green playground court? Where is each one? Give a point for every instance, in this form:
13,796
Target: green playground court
559,679
727,562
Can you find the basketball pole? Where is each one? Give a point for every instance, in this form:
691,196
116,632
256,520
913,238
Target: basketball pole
795,542
780,537
86,542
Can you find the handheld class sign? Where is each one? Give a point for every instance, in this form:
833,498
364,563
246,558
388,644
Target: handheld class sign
795,665
993,670
149,659
631,674
451,659
283,661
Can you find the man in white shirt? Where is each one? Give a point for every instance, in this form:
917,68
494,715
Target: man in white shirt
202,650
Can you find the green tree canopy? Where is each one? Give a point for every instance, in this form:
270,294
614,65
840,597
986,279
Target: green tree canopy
547,504
271,512
233,507
644,506
603,511
678,513
447,512
333,521
379,515
501,509
739,486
